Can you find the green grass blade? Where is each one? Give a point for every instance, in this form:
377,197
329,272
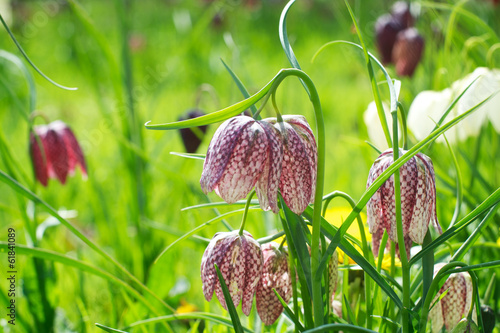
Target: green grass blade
216,116
190,315
109,329
339,327
201,227
229,302
289,312
20,48
240,86
285,43
16,186
188,155
488,203
82,266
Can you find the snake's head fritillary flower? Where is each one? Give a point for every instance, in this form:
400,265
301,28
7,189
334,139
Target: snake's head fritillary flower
192,137
241,151
418,200
407,51
455,304
55,152
300,157
275,275
333,274
239,258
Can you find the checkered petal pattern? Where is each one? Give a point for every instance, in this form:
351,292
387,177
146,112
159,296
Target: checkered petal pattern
239,259
55,152
455,304
275,274
418,200
244,153
333,274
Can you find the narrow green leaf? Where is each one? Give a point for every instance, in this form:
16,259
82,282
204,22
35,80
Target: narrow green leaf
283,34
229,302
220,204
108,329
351,318
190,315
188,155
29,60
217,116
201,227
289,312
339,327
240,86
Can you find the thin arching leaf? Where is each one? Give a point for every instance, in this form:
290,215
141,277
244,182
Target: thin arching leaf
229,302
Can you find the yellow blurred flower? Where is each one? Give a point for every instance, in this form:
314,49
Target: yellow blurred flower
186,307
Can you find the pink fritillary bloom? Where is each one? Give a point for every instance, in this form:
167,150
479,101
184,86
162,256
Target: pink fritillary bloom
275,275
239,259
242,152
55,152
407,51
299,168
418,200
455,304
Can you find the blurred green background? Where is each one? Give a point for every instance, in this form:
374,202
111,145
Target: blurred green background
137,61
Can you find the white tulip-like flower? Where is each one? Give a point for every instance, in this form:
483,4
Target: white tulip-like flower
428,106
374,127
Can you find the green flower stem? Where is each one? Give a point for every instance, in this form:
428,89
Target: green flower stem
247,205
366,250
432,290
427,265
317,295
405,267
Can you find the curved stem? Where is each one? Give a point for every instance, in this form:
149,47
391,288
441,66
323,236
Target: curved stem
403,255
247,205
317,295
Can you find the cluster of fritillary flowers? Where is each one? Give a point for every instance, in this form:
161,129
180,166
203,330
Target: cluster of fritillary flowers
266,154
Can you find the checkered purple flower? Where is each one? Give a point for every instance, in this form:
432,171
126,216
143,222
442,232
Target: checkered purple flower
418,200
239,258
55,152
266,154
275,275
455,304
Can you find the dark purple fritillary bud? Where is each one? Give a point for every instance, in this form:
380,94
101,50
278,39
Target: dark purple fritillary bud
240,260
299,167
489,318
386,30
192,137
275,275
401,13
418,200
407,51
455,304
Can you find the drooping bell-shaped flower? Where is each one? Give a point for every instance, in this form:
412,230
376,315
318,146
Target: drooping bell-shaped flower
239,258
192,137
418,200
333,274
407,51
240,152
386,30
300,157
55,152
275,275
401,12
455,304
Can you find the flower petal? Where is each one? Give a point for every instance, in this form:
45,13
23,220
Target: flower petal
253,269
296,176
57,156
220,150
38,156
245,164
268,183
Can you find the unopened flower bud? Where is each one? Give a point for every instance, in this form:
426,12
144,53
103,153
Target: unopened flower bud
192,137
386,30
